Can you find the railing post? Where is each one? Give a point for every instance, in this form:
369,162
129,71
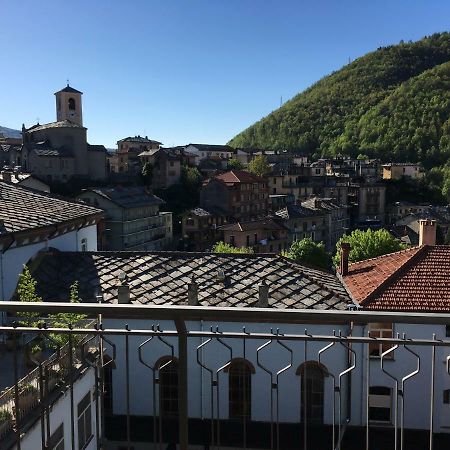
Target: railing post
182,383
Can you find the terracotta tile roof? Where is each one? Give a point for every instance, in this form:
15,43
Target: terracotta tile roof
25,209
162,278
239,176
416,279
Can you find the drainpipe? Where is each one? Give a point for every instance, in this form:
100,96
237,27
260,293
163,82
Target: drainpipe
2,277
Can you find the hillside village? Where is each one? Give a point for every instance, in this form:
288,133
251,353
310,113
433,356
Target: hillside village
218,295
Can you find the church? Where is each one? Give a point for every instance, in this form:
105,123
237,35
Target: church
59,151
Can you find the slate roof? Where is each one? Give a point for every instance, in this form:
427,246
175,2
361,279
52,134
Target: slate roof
127,197
416,279
69,89
298,212
162,277
96,148
326,204
238,176
60,124
17,177
139,140
25,209
48,151
212,147
200,212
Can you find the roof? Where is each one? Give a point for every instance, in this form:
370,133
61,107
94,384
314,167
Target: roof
298,212
17,177
212,147
267,224
239,176
324,204
159,278
96,148
69,89
48,151
400,164
415,279
139,140
60,124
24,209
200,212
127,197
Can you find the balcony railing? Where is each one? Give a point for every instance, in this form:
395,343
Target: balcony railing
256,377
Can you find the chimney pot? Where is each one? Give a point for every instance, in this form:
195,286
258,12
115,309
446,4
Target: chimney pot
123,289
192,293
263,295
345,251
6,176
427,232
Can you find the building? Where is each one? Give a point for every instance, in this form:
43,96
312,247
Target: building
337,221
304,223
165,164
200,229
132,218
368,203
399,210
32,221
26,180
240,195
59,151
208,151
396,171
126,160
262,236
408,228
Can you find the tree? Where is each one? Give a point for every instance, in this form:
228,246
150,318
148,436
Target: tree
309,252
362,157
222,247
234,163
26,291
368,244
147,173
191,177
259,166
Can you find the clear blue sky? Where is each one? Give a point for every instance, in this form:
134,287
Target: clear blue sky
185,71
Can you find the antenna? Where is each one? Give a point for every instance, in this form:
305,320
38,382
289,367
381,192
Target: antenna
67,82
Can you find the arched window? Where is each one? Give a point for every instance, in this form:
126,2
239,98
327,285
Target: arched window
168,386
240,388
72,104
312,390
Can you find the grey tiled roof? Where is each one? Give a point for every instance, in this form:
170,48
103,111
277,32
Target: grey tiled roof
70,89
60,124
298,212
47,151
127,197
162,277
23,209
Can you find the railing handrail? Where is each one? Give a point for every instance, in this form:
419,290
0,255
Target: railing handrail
226,314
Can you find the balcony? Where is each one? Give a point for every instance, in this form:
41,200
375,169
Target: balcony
261,378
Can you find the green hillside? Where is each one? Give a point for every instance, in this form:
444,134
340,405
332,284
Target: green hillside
393,103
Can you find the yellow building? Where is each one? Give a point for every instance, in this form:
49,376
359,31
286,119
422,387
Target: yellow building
396,171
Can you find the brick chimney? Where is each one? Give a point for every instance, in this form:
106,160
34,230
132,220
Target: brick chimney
427,232
263,295
345,251
192,292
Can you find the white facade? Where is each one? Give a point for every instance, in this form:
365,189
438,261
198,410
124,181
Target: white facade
60,415
200,154
13,258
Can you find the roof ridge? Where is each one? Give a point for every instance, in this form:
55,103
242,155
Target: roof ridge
422,251
416,247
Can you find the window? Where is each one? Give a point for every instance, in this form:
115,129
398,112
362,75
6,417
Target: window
446,397
447,330
380,330
57,439
317,171
232,240
379,404
84,245
168,387
107,388
72,104
313,374
84,422
248,240
255,238
240,389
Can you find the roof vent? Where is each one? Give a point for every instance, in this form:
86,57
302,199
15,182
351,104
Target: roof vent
123,289
192,292
220,275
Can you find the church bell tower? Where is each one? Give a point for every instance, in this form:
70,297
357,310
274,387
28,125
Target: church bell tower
68,105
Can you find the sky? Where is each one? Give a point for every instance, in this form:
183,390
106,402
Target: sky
182,71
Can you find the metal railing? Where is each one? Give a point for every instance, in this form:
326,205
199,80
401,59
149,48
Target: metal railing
191,359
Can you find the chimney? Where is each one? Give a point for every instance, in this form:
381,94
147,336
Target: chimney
6,176
263,295
427,232
192,292
123,290
345,251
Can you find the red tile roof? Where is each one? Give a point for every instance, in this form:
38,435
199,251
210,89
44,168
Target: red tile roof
239,176
416,279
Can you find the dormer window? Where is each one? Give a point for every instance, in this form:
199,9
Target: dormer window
72,104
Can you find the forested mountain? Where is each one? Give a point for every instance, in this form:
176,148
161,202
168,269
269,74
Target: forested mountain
393,103
10,133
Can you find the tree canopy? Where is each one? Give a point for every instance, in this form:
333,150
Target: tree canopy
368,244
259,166
222,247
309,252
234,163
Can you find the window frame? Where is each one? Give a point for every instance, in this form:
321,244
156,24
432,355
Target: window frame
380,330
84,417
240,389
376,397
56,441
